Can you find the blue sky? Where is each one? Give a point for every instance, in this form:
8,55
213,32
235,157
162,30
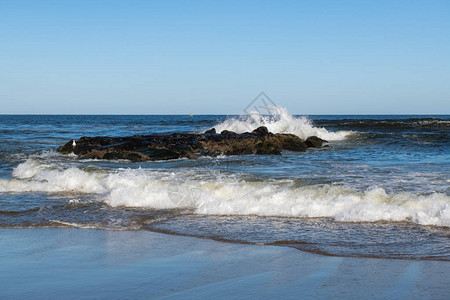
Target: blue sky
211,57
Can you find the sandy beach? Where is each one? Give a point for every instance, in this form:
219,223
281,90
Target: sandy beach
73,263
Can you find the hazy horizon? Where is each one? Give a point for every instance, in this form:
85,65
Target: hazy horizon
205,114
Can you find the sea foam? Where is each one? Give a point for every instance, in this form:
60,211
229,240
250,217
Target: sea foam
280,122
212,195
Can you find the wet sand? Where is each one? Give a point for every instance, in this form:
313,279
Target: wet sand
74,263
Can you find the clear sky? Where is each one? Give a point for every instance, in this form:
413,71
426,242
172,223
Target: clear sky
214,57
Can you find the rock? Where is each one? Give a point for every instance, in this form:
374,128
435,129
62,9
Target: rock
163,153
292,142
314,142
211,131
187,145
261,131
228,133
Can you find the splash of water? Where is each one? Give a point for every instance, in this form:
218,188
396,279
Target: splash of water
280,122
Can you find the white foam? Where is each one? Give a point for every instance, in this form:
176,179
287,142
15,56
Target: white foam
33,177
28,169
280,122
342,204
230,196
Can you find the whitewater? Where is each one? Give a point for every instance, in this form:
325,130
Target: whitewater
280,121
231,196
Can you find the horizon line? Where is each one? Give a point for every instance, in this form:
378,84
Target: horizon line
211,114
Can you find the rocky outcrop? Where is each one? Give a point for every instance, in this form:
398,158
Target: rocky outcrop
315,142
188,145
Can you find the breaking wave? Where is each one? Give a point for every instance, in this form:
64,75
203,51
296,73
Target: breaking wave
211,195
280,122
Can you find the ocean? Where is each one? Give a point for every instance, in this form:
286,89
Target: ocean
380,189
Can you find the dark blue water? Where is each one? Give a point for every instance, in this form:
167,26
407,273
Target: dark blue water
381,188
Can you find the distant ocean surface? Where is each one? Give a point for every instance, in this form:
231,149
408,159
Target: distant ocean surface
381,188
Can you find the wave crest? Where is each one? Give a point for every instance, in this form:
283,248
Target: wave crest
229,196
280,122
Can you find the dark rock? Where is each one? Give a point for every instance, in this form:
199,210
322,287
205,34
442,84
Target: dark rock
271,147
228,133
178,145
211,131
292,142
261,131
314,142
163,154
66,148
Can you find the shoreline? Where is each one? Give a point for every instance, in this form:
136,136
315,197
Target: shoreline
286,244
60,262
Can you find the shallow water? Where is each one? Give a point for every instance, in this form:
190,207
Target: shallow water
381,188
53,263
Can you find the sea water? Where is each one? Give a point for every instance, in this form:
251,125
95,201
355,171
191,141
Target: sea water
381,188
